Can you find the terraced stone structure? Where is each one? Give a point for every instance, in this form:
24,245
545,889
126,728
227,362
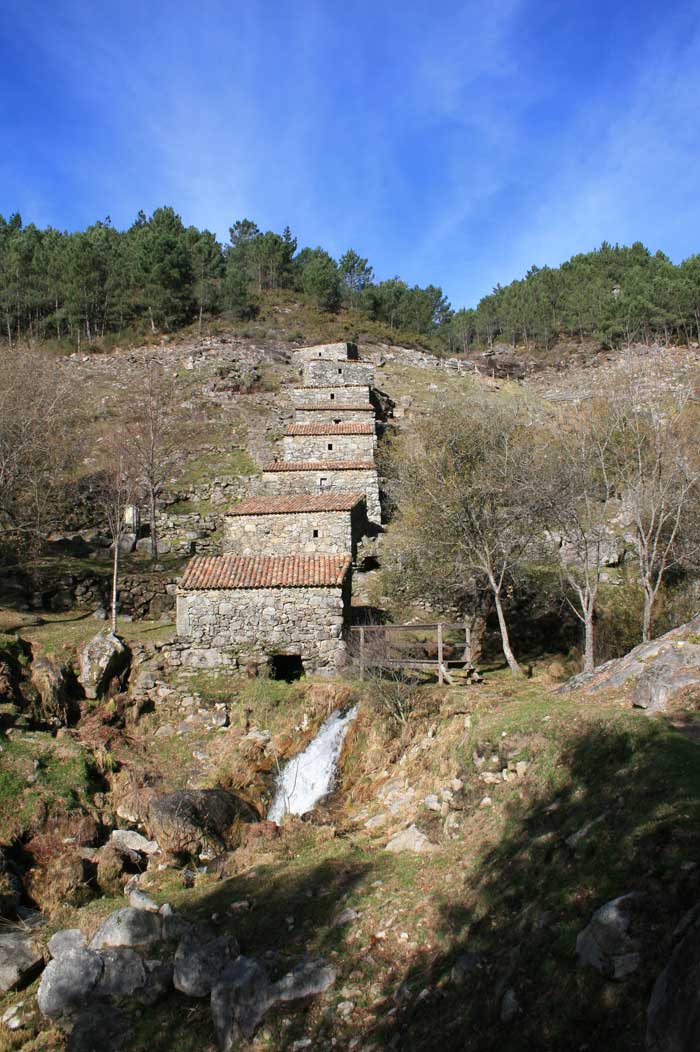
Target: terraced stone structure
349,441
311,524
235,609
282,589
326,476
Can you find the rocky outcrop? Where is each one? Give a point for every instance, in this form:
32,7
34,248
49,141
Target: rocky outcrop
114,971
654,672
673,1015
103,659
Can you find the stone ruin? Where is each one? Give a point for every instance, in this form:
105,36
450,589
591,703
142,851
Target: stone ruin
280,592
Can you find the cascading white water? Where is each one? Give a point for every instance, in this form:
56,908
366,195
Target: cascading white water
308,777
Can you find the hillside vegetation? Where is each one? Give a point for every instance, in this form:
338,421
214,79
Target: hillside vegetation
101,286
526,809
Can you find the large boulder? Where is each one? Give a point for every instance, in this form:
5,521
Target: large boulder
200,959
612,942
49,681
103,658
78,976
20,959
239,1000
128,927
673,1014
654,672
196,822
68,982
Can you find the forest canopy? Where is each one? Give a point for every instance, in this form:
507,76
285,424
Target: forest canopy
160,275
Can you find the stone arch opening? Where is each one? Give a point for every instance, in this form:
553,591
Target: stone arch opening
286,666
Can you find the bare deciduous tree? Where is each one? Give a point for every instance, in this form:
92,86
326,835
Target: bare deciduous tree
656,470
466,498
577,494
152,438
38,446
114,496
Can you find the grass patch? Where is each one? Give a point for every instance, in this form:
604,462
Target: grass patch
60,636
39,775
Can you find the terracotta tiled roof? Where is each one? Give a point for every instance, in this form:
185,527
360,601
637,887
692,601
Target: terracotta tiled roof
320,465
329,387
364,407
265,571
304,502
352,427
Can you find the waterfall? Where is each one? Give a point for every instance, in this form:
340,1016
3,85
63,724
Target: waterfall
308,777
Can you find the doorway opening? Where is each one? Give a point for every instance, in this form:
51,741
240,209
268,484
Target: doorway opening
286,666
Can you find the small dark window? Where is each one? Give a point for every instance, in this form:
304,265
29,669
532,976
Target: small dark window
337,421
323,483
340,372
314,534
330,445
332,396
319,354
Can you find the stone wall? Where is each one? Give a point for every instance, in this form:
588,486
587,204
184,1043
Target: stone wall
330,414
315,395
326,481
328,447
229,627
306,533
328,374
337,352
189,533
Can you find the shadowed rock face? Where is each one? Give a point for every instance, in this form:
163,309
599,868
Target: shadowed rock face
611,942
654,671
19,959
192,821
673,1015
244,994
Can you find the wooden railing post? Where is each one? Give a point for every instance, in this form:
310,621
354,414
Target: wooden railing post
439,642
362,653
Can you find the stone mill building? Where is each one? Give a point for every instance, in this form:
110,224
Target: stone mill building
280,592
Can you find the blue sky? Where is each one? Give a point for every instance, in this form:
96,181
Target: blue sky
452,143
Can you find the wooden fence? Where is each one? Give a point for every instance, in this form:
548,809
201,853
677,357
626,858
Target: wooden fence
419,646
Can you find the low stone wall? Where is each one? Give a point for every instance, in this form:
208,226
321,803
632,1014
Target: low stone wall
326,481
328,447
305,533
225,628
332,414
188,534
422,360
323,374
335,393
140,595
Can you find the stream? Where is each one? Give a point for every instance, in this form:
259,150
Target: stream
309,776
